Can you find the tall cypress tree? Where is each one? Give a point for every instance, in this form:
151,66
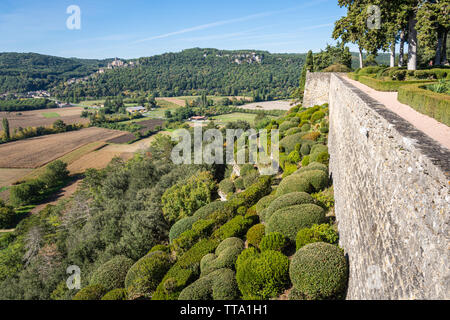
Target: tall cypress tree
5,123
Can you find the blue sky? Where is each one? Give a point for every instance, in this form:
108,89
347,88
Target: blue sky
136,28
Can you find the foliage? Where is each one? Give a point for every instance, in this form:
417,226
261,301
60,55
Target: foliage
217,285
432,104
111,275
264,202
26,104
224,257
92,292
309,181
289,220
181,226
337,68
255,235
262,275
208,209
274,241
236,227
287,200
116,294
200,229
144,276
7,217
317,233
226,186
325,198
319,271
184,198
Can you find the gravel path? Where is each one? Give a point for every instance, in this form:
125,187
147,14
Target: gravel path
434,129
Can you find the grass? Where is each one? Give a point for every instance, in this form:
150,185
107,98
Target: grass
50,115
3,189
224,118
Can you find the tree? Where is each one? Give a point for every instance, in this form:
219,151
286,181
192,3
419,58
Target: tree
7,216
59,125
55,174
5,124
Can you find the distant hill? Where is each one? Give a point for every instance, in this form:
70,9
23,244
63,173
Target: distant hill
190,71
22,72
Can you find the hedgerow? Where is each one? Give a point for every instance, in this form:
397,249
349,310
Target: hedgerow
319,271
224,257
144,276
111,275
288,221
218,285
262,275
287,200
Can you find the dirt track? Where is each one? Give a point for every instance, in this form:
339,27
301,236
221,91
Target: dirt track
35,152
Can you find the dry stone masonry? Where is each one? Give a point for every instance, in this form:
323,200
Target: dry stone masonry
392,196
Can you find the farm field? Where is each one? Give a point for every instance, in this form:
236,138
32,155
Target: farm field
268,105
43,117
9,176
36,152
224,118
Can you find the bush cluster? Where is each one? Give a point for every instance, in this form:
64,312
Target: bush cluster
181,226
274,241
308,181
226,186
287,200
261,275
236,227
288,221
317,233
224,257
200,229
255,235
91,292
264,202
319,271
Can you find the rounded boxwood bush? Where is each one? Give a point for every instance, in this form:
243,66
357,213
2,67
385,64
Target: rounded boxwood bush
319,271
287,200
306,127
262,275
91,292
116,294
288,221
250,178
224,257
294,183
318,179
305,149
264,202
239,183
246,169
145,275
226,186
205,211
305,160
181,226
317,233
292,131
314,166
218,285
318,148
255,234
111,275
289,142
274,241
294,157
287,125
317,116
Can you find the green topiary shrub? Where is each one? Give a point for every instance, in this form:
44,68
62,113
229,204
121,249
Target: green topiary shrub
250,178
306,127
311,136
318,148
226,186
318,115
305,161
325,198
289,142
317,178
294,183
111,275
322,157
292,131
289,168
264,202
236,227
239,183
159,247
255,234
314,166
218,285
205,211
317,233
181,226
305,149
92,292
262,275
200,229
144,276
319,271
294,157
287,125
287,200
224,257
185,271
116,294
274,241
246,169
288,221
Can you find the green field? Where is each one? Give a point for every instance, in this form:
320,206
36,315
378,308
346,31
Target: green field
50,115
224,118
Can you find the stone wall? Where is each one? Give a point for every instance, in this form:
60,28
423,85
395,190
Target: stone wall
392,198
316,92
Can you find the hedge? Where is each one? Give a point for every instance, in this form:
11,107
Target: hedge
319,271
287,200
91,292
200,229
289,142
250,178
308,181
264,202
218,285
262,275
144,276
255,234
111,275
181,226
288,221
314,166
205,211
432,104
116,294
239,183
224,257
184,271
236,227
226,186
274,241
387,85
292,131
